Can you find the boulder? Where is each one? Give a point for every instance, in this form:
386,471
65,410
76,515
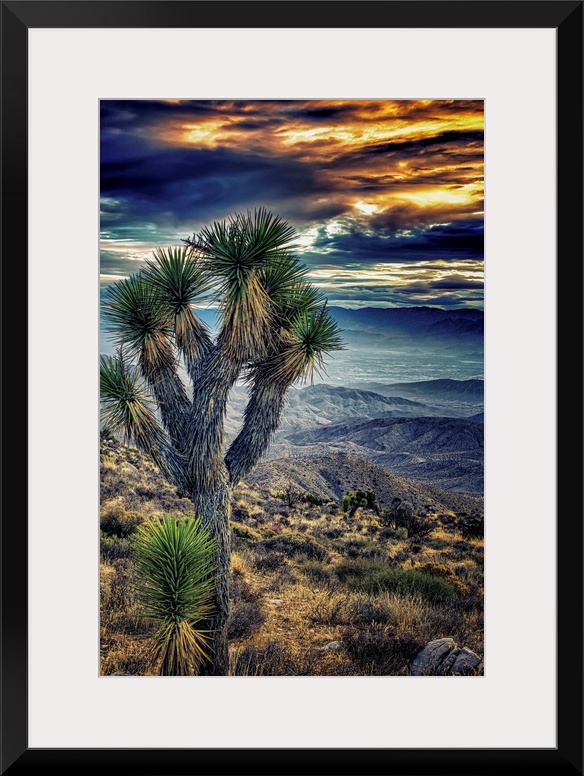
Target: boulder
443,657
332,646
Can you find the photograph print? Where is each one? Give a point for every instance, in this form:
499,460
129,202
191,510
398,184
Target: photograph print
291,387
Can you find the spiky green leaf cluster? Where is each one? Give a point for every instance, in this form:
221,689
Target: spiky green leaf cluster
126,405
238,253
136,313
175,563
179,277
243,243
311,335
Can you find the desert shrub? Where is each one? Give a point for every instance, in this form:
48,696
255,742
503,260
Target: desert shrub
395,534
315,571
245,618
351,501
442,571
293,544
437,543
240,587
472,528
268,561
381,649
113,548
360,548
333,533
290,495
478,558
245,533
117,594
240,513
366,611
267,659
310,498
124,656
402,516
114,520
285,577
374,578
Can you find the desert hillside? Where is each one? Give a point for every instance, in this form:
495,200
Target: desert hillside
326,578
331,476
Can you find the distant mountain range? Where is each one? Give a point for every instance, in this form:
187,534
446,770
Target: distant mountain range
396,326
439,441
400,328
460,398
320,405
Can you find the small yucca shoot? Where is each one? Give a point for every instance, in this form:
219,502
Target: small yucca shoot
175,561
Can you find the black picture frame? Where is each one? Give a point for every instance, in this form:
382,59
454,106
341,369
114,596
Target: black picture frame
17,18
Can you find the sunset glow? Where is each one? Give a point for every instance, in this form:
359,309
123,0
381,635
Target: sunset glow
388,192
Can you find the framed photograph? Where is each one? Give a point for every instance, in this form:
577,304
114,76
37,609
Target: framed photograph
264,226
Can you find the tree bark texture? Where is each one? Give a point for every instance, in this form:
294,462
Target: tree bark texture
214,508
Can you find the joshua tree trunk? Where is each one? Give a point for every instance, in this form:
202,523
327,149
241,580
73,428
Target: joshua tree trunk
214,508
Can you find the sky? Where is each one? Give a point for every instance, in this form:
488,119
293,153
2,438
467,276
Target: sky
386,196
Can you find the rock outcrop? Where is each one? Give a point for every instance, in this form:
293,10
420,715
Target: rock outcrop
443,657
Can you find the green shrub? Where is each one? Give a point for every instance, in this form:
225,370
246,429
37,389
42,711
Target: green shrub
362,498
246,534
442,571
174,559
373,578
359,548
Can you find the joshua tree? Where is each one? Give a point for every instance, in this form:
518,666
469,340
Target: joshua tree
166,389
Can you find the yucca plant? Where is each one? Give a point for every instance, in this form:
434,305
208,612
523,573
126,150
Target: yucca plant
274,330
175,562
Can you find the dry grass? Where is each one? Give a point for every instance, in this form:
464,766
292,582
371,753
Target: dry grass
315,591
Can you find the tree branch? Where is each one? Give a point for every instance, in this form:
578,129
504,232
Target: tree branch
171,397
261,420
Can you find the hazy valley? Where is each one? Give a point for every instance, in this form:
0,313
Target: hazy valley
430,431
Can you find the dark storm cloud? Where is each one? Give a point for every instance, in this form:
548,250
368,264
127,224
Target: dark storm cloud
414,146
138,114
456,283
448,242
180,185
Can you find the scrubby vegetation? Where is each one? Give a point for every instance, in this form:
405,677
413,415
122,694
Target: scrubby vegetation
315,589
